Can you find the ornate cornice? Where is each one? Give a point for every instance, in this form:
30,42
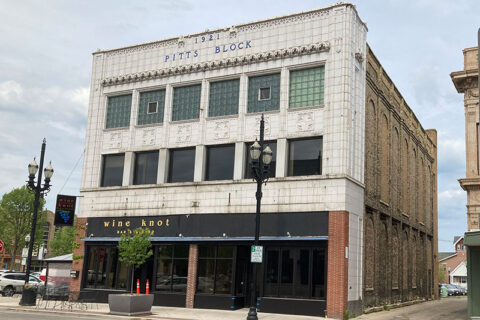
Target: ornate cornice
217,64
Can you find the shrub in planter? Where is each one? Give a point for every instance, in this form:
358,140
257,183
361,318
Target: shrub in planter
133,249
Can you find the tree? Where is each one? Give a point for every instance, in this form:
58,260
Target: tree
62,243
16,211
442,274
135,249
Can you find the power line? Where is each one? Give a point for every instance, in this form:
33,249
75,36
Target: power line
68,178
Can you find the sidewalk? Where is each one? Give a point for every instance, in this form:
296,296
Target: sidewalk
100,310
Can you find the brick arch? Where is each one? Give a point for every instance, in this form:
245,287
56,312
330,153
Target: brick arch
369,253
384,159
420,192
405,180
414,260
383,259
371,141
395,257
413,185
405,265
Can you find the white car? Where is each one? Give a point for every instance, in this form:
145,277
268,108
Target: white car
11,283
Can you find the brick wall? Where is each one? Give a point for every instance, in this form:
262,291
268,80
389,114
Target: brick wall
78,254
400,196
337,268
192,275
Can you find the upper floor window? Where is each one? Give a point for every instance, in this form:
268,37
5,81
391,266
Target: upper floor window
272,167
264,93
223,98
182,165
186,102
112,173
146,167
118,111
220,161
307,87
151,106
305,157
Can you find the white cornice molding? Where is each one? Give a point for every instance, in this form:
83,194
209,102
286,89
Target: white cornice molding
218,64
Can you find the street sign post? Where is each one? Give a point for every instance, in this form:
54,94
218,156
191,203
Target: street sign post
257,254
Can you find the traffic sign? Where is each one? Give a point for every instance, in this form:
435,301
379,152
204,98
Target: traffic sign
1,246
24,252
257,254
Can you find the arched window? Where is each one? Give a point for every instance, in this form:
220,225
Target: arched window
384,159
405,180
369,254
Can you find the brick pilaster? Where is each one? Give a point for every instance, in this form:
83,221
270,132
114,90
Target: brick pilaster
78,253
337,268
192,275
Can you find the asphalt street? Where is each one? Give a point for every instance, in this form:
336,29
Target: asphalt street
452,308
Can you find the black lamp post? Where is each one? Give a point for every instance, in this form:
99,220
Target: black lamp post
260,165
39,192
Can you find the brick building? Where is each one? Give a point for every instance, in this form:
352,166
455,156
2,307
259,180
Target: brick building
169,126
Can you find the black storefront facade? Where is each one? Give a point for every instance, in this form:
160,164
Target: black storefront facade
207,256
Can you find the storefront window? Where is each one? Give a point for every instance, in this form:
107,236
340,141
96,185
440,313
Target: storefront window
215,265
291,272
102,268
172,268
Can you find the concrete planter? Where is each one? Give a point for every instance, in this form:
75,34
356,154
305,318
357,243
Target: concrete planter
130,304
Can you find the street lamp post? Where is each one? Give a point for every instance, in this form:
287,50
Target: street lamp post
39,193
261,158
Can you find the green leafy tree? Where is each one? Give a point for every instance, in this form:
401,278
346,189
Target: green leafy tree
16,212
63,241
135,248
442,274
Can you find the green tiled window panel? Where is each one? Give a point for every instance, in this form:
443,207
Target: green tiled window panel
118,111
307,87
271,81
223,98
186,102
145,98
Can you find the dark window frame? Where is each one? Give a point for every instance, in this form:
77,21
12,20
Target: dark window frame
294,287
173,259
216,259
96,264
145,175
103,175
171,163
208,159
291,166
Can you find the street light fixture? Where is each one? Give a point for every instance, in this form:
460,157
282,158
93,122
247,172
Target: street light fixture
260,166
40,192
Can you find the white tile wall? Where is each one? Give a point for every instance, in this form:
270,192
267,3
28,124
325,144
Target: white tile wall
340,121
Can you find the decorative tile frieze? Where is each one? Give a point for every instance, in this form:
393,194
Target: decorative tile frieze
218,64
305,121
184,133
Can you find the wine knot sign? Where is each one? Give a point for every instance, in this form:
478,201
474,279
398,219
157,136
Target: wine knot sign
65,210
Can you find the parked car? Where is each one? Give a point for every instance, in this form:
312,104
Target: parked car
452,290
461,290
11,283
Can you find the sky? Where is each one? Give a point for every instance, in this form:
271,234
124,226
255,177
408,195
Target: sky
45,70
